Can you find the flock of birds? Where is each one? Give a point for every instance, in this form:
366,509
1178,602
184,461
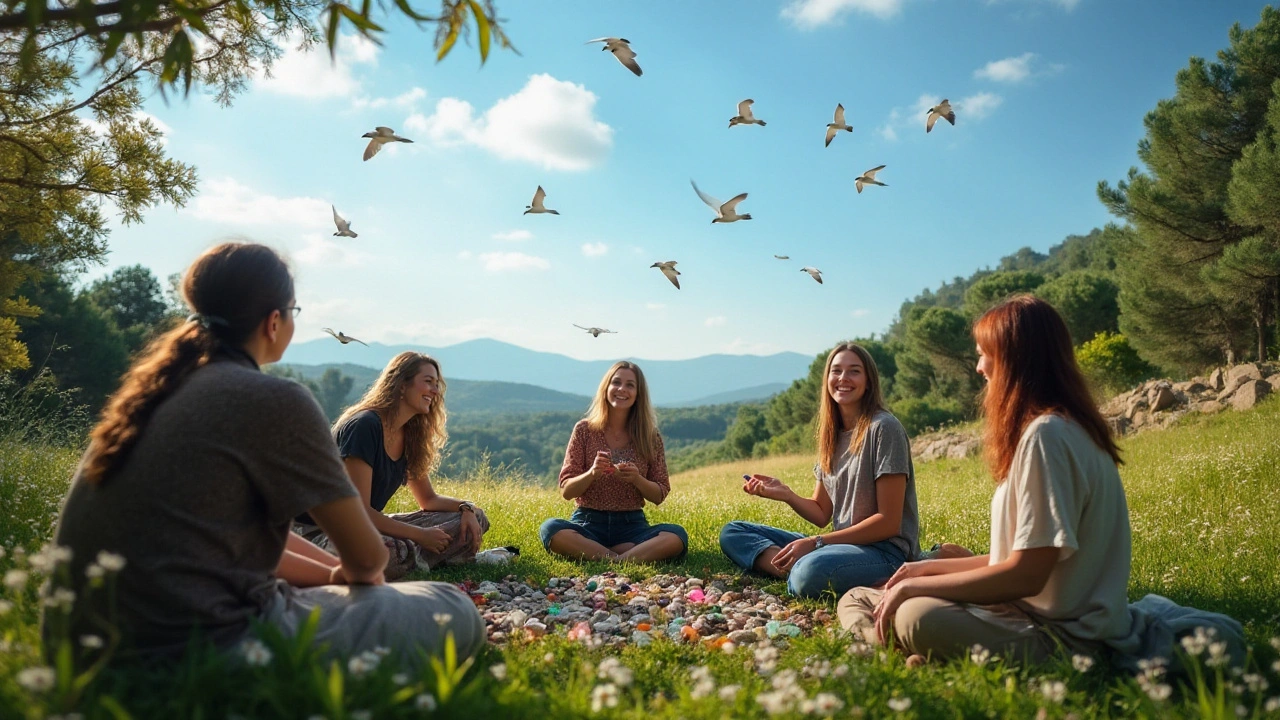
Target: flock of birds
725,212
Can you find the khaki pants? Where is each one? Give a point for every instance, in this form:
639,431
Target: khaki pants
406,556
944,630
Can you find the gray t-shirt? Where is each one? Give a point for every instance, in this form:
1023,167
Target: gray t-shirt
201,507
852,484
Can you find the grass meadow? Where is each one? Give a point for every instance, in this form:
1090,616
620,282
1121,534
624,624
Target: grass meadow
1204,499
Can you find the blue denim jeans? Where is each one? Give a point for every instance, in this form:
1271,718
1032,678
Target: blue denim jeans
611,528
837,568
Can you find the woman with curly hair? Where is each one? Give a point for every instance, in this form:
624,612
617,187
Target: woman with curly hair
390,438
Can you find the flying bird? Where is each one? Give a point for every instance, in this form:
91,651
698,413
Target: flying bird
869,178
668,268
941,110
725,212
343,337
814,273
621,49
839,124
537,206
744,116
783,257
379,137
595,331
344,227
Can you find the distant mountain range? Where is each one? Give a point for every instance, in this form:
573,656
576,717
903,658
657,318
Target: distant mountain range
549,381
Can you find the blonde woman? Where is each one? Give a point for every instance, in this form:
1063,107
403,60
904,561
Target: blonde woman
614,465
392,437
866,491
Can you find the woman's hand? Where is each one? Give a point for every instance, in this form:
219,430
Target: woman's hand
766,487
629,473
470,530
602,465
432,539
888,607
907,571
796,549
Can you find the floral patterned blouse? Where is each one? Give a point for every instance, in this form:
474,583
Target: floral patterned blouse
609,493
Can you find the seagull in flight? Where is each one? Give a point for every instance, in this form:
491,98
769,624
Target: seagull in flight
838,125
595,331
725,212
537,206
869,178
379,137
343,337
621,49
744,116
814,273
941,110
783,257
344,227
668,268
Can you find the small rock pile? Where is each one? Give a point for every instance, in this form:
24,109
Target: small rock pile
1158,403
952,444
611,609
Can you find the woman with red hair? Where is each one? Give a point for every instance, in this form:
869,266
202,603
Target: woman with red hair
1058,571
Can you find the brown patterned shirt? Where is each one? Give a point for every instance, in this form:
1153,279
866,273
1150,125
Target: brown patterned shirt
609,493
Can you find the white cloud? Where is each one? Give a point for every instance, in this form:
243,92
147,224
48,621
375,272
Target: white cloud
465,255
504,261
1008,70
595,249
809,14
912,118
740,346
321,250
310,73
139,116
715,321
513,236
860,312
226,201
655,306
405,100
549,122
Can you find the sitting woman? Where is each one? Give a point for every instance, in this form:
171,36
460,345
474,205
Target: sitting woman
865,490
613,464
392,437
193,476
1058,570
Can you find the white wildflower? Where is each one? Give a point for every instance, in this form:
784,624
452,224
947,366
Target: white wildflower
1241,711
382,651
611,668
442,618
94,571
785,680
16,579
5,607
499,672
840,671
91,642
604,696
728,648
255,653
899,704
363,664
425,702
1272,704
47,559
1275,641
1054,690
110,561
1256,682
1217,654
729,693
549,658
37,679
400,679
827,703
1082,663
979,655
861,649
1159,692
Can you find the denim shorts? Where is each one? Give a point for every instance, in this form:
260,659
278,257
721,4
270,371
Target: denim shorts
612,528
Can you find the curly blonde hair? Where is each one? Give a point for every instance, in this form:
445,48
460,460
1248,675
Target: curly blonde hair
424,435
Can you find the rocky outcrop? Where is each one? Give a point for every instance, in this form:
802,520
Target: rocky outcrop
1153,404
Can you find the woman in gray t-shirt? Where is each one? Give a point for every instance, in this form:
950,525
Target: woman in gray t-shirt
865,491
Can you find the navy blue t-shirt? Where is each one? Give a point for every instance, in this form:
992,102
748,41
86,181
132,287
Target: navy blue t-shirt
360,436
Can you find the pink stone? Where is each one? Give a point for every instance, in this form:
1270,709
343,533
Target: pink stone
580,631
696,595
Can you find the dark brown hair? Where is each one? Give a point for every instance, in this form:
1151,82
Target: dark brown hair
830,421
1033,371
231,287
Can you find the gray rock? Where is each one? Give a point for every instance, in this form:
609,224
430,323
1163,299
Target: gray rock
964,449
1217,379
1191,387
1161,397
743,637
1119,424
1249,394
1274,381
1244,371
1136,403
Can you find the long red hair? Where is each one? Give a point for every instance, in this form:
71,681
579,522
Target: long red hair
1032,371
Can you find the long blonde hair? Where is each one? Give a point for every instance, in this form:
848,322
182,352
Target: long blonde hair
642,423
424,435
830,422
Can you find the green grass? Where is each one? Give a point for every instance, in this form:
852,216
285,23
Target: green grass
1205,507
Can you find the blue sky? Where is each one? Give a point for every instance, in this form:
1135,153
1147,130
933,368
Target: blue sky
1049,94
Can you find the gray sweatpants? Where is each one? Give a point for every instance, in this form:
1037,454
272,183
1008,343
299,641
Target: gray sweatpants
405,556
403,618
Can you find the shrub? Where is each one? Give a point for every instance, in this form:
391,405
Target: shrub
1111,364
919,415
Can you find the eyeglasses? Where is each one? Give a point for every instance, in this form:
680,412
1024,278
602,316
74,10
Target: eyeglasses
292,309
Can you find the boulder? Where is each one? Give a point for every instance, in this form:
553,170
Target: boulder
1218,379
1136,403
1242,372
1138,419
1249,394
1119,425
1192,387
964,449
1161,397
1210,407
1230,389
1274,381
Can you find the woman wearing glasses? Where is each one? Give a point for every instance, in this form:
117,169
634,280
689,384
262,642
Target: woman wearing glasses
193,476
392,437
